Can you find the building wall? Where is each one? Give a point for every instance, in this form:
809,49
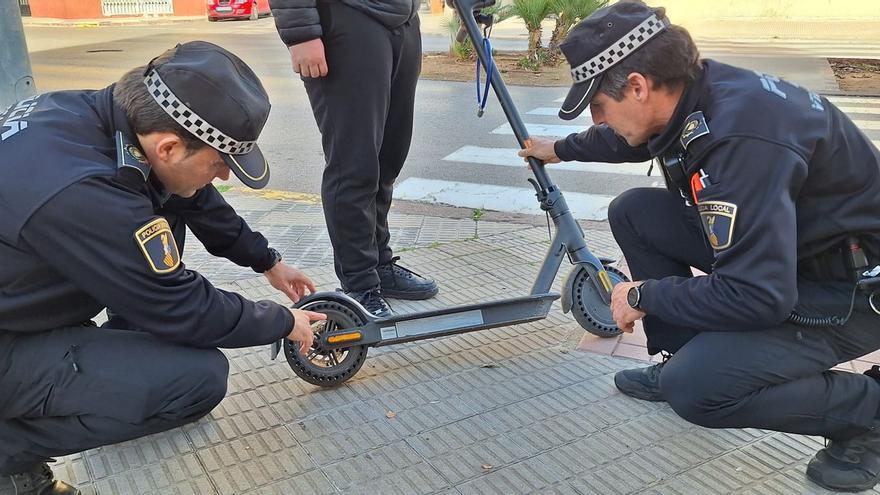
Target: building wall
66,9
190,7
91,9
684,10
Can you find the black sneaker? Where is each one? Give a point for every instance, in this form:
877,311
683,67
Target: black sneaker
848,465
641,383
38,481
372,300
401,283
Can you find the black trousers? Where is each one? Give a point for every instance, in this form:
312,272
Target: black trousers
364,110
71,389
778,378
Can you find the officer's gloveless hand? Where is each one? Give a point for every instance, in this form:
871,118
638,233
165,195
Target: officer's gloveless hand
302,328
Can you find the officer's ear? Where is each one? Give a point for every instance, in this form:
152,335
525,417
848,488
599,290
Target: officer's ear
169,147
639,85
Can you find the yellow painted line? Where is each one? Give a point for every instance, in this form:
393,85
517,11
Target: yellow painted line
279,194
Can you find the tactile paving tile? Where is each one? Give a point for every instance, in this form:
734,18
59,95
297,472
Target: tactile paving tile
502,411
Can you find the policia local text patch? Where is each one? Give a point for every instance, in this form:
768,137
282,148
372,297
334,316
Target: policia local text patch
157,243
718,218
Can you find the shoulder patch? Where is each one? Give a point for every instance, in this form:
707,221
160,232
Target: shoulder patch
694,126
718,220
128,154
157,243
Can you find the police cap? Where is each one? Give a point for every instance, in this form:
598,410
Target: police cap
217,98
602,40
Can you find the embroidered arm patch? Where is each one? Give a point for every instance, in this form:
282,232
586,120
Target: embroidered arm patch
718,219
158,245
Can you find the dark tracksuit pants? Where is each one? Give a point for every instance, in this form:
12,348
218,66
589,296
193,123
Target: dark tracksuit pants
778,378
71,389
364,110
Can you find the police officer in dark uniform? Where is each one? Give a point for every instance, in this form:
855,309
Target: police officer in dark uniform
775,194
359,61
96,188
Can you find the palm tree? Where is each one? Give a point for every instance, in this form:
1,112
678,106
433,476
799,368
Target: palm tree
532,12
568,13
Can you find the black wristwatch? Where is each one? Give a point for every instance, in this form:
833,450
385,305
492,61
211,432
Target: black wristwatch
276,258
634,296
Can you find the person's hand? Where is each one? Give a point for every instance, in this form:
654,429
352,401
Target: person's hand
302,329
623,314
540,148
308,58
289,280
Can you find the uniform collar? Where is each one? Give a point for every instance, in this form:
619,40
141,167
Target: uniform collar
689,101
128,147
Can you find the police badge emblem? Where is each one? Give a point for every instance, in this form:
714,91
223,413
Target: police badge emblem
718,220
694,127
157,243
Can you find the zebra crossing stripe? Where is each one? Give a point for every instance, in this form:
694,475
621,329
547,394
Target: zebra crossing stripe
837,100
508,157
554,112
546,130
859,110
498,198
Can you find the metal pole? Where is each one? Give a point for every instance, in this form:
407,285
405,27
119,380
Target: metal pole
16,79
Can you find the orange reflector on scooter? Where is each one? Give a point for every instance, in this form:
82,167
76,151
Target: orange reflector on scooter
344,337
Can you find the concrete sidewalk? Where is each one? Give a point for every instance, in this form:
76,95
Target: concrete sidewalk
505,411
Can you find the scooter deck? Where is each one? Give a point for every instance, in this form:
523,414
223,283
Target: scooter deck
436,323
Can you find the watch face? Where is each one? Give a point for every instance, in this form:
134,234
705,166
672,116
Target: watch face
632,297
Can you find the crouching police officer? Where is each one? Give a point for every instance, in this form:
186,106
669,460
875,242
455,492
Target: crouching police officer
96,188
775,194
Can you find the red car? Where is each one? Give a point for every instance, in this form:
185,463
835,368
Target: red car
237,9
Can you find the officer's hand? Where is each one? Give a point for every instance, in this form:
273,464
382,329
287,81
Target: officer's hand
540,148
290,281
302,328
623,314
308,58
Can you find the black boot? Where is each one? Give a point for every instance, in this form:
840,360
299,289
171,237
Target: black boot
401,283
38,481
372,300
848,465
641,383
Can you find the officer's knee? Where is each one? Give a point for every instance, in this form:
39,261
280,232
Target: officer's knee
206,381
216,377
620,207
692,396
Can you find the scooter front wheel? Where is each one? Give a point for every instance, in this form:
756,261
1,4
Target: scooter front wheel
328,367
588,308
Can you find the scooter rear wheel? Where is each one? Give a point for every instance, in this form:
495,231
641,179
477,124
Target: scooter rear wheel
589,310
328,367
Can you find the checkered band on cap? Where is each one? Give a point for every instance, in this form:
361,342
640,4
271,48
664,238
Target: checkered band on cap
631,41
191,121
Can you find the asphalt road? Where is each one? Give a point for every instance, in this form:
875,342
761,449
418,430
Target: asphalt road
72,57
456,158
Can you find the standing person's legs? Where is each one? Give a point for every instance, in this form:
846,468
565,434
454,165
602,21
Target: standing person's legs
76,388
397,281
407,53
350,106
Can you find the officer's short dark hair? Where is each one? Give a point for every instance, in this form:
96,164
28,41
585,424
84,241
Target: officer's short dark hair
670,60
145,116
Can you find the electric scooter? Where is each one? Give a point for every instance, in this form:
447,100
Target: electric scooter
342,340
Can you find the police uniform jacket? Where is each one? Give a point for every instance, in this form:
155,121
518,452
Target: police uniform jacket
82,228
298,21
777,174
